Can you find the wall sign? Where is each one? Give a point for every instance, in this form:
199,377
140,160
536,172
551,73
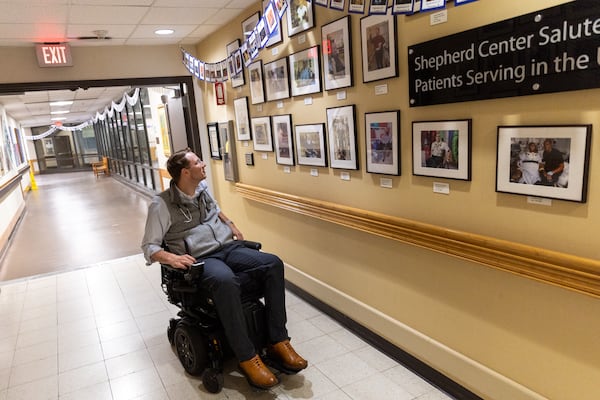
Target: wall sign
552,50
54,55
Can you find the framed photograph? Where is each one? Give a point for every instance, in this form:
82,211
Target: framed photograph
230,169
382,142
277,83
263,140
341,129
284,143
337,4
544,161
403,7
310,145
324,3
378,45
428,5
280,7
262,32
442,149
272,20
249,24
378,7
257,88
305,70
300,16
214,140
337,54
242,118
356,6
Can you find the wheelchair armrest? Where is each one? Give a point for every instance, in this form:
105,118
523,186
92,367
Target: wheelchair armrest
191,274
252,245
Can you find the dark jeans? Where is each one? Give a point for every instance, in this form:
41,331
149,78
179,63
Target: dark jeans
220,269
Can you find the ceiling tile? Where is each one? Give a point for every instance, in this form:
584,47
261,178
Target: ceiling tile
188,16
23,13
106,15
147,31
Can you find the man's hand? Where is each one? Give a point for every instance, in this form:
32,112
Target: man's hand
174,260
237,234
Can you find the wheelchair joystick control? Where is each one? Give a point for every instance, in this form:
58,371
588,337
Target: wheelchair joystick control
194,271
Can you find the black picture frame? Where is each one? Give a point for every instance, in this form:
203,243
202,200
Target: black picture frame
341,135
305,71
277,82
311,148
382,142
300,16
558,153
214,140
336,38
442,149
378,45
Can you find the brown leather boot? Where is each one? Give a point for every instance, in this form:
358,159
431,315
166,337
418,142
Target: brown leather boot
284,353
257,373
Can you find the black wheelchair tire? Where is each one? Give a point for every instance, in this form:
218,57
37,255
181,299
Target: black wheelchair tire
191,347
212,380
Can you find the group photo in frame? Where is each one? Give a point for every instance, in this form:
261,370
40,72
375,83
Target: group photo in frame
382,142
442,149
341,129
378,47
242,118
261,127
277,83
284,142
377,7
230,169
305,71
310,144
255,77
300,16
214,140
544,161
337,54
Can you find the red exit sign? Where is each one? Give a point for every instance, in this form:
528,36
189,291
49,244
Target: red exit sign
54,55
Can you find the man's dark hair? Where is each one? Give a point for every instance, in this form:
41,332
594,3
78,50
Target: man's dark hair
177,162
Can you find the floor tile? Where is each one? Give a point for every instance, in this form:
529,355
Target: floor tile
136,384
79,357
33,371
42,389
99,391
128,363
376,387
80,378
346,369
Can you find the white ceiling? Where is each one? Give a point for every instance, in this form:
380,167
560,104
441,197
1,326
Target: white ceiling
127,23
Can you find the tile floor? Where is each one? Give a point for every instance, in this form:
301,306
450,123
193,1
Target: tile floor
99,333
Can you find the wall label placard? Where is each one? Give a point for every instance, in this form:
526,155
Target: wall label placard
553,50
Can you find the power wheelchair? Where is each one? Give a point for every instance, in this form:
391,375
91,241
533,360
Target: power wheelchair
197,333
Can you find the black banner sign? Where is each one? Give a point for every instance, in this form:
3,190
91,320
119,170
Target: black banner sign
552,50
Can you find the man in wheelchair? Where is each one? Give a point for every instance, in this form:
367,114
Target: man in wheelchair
187,221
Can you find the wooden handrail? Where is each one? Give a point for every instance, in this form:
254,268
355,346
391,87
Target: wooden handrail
560,269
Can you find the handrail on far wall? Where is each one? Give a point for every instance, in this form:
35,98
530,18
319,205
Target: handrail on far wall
560,269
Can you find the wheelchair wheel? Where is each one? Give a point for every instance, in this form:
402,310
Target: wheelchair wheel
191,349
212,380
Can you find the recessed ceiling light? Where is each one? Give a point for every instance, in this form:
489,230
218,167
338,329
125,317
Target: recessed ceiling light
61,103
60,112
164,31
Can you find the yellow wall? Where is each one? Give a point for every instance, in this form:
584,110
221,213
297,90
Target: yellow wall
500,335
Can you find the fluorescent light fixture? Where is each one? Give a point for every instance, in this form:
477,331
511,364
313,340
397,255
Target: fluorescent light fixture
60,112
58,119
61,103
164,31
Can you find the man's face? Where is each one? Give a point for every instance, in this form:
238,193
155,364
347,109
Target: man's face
196,167
547,145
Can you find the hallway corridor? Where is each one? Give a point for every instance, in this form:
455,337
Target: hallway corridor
83,317
72,220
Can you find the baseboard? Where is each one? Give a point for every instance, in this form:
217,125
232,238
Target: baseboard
463,377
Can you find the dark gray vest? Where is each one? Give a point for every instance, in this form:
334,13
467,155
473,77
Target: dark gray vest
195,225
